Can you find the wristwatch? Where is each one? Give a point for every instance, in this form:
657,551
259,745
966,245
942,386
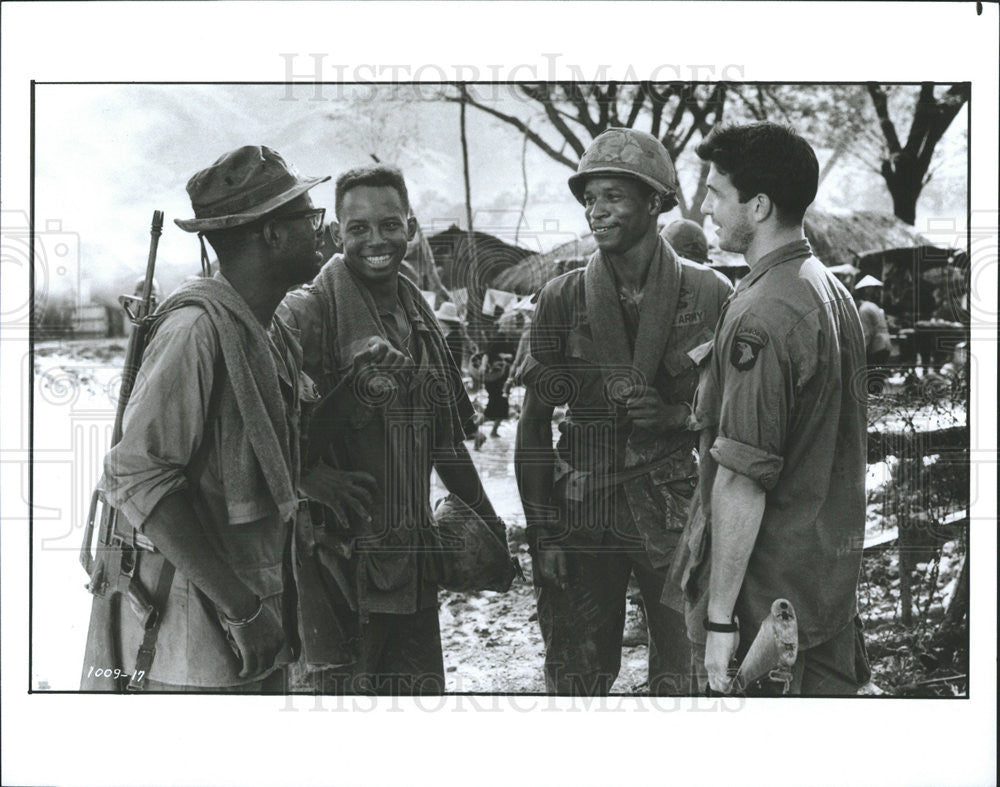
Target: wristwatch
732,627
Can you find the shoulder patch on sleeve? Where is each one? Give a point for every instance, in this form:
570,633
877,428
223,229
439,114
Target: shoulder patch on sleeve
746,348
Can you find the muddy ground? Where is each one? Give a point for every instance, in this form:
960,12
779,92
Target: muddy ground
491,642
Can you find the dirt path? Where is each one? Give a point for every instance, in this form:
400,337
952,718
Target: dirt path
492,644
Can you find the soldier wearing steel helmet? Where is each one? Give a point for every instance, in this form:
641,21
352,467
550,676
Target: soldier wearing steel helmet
687,239
616,343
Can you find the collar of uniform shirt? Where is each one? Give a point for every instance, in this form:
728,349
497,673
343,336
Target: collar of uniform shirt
796,250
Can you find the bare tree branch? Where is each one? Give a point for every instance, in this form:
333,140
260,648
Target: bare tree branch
937,117
881,105
516,123
659,99
754,111
612,96
579,100
669,139
638,100
602,99
543,95
769,92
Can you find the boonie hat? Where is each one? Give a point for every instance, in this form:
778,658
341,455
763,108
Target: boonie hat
687,239
626,151
242,186
868,281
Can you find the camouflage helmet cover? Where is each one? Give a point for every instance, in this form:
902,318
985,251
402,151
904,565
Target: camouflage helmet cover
626,151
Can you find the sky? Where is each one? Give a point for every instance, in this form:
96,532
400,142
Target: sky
108,155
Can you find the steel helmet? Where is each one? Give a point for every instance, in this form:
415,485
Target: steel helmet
687,239
626,151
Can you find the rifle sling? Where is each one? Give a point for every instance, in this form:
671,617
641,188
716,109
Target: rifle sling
147,650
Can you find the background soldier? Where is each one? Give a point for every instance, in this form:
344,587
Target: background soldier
784,481
611,341
687,239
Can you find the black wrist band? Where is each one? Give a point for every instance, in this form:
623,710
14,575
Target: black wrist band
722,628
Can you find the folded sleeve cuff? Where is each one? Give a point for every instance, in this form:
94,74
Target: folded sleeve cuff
142,498
755,463
530,369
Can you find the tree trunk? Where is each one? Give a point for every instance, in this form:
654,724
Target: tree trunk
465,168
905,166
524,183
905,182
838,152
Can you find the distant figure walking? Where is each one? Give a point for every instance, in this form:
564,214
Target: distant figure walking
496,366
451,326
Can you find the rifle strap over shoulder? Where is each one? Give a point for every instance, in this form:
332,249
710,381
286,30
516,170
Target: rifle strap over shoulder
147,650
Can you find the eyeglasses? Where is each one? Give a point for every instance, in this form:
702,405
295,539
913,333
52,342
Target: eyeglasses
315,216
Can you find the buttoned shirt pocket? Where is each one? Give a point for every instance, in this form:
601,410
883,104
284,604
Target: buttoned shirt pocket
670,488
580,345
658,502
582,363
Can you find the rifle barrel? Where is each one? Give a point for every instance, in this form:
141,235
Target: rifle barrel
137,341
155,230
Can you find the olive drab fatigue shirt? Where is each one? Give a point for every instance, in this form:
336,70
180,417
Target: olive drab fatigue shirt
563,368
166,420
785,389
397,444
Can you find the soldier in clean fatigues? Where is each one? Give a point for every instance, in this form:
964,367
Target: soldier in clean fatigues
781,509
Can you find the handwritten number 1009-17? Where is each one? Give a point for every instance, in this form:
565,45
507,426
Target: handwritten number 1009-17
108,672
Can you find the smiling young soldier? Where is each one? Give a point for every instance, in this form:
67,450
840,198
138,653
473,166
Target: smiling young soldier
783,485
409,414
611,342
207,467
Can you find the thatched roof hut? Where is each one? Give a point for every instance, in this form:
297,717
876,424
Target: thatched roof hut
472,264
583,247
835,238
843,238
531,274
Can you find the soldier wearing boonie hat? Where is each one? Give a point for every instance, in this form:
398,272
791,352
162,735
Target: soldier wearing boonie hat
207,467
613,342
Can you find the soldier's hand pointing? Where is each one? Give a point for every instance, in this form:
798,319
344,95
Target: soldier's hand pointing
381,354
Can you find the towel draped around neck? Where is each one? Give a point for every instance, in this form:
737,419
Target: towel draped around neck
660,293
255,440
353,316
